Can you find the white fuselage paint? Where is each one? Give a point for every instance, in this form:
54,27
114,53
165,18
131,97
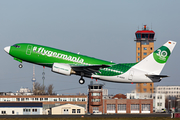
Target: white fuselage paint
131,76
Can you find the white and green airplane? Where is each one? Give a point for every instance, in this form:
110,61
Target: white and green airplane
67,63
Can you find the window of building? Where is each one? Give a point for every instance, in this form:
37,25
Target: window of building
151,36
159,104
73,99
46,99
145,107
138,36
135,107
138,48
78,110
95,94
138,54
22,99
13,112
144,84
145,48
145,53
95,100
95,108
73,110
95,87
121,107
145,89
111,107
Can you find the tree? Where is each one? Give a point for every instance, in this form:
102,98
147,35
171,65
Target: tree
50,89
43,90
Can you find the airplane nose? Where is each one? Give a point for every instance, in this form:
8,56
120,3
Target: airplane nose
7,49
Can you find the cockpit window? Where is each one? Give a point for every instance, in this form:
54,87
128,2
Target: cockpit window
17,46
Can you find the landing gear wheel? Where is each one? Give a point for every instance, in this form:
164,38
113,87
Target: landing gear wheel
81,81
20,65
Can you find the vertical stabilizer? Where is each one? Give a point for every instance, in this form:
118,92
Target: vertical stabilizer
154,63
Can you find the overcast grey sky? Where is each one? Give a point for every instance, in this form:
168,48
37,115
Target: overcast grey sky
104,29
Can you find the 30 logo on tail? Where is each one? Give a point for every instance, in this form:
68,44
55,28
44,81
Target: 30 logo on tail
162,54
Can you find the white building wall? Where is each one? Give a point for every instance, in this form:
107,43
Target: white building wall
173,91
60,109
158,99
19,111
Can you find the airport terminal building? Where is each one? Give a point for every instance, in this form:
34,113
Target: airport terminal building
40,104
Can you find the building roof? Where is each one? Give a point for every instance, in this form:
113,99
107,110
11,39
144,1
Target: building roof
68,105
145,31
21,104
119,96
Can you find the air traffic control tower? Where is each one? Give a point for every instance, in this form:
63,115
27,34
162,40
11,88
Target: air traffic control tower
144,47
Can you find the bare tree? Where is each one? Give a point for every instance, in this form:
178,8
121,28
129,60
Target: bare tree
38,89
43,90
50,89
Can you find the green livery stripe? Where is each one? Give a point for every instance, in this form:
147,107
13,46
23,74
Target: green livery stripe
44,55
117,69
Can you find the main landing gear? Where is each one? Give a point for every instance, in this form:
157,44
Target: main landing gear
81,81
20,65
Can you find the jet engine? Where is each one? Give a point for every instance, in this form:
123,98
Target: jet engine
62,68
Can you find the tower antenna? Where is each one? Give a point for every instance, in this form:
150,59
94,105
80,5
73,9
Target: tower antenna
33,79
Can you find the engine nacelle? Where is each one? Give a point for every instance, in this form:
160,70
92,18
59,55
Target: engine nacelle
62,68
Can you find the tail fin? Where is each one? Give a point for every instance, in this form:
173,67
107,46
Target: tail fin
154,63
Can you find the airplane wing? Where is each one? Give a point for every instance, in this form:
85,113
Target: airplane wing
89,69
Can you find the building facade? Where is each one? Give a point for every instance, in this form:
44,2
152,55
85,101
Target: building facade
95,102
21,108
67,109
144,47
169,91
48,101
158,99
116,104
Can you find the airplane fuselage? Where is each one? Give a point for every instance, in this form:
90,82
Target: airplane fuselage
68,63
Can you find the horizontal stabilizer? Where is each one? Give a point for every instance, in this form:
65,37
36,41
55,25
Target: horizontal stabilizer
157,76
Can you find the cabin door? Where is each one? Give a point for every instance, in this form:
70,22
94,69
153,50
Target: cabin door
28,50
131,75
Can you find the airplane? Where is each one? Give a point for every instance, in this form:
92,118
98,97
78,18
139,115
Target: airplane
63,62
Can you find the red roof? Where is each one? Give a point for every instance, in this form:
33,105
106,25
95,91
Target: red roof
119,96
145,31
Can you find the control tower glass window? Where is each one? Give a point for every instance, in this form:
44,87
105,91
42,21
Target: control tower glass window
144,35
138,36
151,36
